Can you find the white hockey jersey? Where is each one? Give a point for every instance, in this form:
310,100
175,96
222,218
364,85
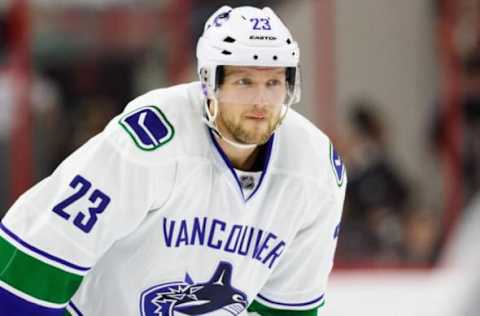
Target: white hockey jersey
150,218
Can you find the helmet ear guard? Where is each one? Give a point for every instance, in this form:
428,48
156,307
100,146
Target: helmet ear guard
294,79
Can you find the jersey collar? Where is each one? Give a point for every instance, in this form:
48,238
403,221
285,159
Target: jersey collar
267,153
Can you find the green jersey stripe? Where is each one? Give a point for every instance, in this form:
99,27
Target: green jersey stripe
268,311
34,277
33,251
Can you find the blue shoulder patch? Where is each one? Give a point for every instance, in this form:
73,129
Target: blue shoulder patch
337,165
148,127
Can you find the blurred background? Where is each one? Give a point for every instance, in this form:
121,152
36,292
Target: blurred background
395,84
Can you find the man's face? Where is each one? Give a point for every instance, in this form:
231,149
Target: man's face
250,102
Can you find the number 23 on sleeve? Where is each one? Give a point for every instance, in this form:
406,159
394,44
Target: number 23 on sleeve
99,202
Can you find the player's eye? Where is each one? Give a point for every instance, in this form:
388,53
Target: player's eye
274,83
244,82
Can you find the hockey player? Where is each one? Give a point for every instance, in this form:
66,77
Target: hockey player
208,198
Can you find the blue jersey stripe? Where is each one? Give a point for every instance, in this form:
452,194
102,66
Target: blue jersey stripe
314,301
75,308
268,154
13,305
41,252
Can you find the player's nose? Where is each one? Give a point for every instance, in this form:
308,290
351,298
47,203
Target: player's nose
261,97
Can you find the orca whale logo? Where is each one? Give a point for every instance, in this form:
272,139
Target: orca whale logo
190,298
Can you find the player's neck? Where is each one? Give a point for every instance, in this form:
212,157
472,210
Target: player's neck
241,158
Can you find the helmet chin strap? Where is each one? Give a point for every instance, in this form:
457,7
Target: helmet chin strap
211,119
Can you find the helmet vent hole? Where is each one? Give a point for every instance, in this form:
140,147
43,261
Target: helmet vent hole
289,41
255,57
275,57
229,39
226,52
243,17
293,54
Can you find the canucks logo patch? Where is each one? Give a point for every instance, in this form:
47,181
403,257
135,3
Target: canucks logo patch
215,296
337,165
148,127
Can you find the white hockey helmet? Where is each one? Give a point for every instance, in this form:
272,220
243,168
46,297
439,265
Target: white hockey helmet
246,36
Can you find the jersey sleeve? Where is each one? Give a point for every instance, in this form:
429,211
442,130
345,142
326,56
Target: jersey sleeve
56,232
298,282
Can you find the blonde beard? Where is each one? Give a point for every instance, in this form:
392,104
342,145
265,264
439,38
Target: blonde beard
242,135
